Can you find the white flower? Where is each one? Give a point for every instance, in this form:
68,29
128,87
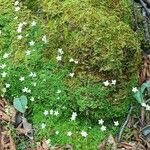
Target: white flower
147,107
73,118
60,51
20,25
31,43
19,30
43,125
6,55
143,104
51,112
103,128
16,3
84,134
71,74
74,115
106,83
32,74
76,62
44,39
59,58
26,107
3,66
19,37
4,74
101,121
113,82
29,91
57,132
32,99
56,113
58,91
45,113
7,85
21,79
71,60
28,53
33,23
25,90
134,89
116,123
69,133
17,8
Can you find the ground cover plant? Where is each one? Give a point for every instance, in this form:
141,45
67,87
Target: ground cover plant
74,61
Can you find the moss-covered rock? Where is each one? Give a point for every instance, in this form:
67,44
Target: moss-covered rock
97,34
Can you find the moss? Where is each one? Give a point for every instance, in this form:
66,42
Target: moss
96,33
103,42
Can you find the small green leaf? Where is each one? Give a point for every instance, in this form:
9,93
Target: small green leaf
23,100
139,97
144,86
20,103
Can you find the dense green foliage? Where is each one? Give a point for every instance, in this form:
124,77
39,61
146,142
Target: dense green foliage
96,34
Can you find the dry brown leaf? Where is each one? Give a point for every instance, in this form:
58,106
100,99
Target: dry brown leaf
102,145
43,146
12,114
126,145
6,142
20,131
59,147
145,72
3,102
69,147
4,115
141,146
12,144
25,128
28,128
111,141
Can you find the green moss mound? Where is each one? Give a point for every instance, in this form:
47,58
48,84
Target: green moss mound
96,34
104,45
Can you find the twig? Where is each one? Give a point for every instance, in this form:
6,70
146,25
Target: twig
142,115
144,6
147,101
125,123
